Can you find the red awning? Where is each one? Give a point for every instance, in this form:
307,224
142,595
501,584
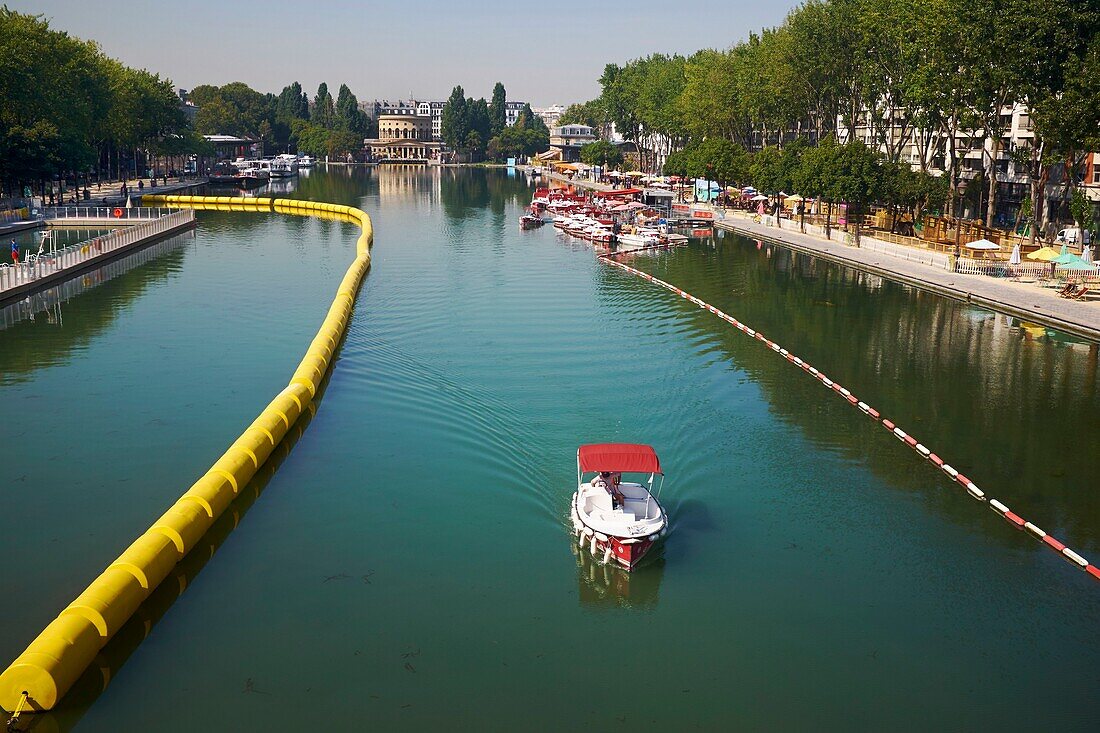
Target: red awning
620,192
625,457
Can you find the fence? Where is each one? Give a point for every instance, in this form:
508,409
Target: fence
1030,270
47,264
906,252
108,214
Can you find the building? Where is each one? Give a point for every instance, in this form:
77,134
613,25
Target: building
403,135
511,112
550,115
569,139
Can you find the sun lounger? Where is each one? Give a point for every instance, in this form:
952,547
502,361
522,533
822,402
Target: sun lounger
1079,295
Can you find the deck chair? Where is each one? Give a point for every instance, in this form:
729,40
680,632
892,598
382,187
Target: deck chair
1079,295
1068,290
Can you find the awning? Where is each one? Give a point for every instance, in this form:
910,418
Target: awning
620,192
624,457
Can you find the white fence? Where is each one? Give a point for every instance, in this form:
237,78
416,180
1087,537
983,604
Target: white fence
903,252
1035,270
50,263
109,214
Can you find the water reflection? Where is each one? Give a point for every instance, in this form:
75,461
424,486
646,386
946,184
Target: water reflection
1010,405
601,586
111,659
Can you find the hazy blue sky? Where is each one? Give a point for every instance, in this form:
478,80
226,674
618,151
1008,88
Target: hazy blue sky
543,52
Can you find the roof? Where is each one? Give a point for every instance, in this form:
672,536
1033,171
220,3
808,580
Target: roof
619,192
624,457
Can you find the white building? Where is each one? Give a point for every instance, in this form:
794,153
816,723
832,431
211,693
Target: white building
550,115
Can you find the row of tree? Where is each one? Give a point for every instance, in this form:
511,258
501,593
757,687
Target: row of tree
67,109
285,121
930,76
479,129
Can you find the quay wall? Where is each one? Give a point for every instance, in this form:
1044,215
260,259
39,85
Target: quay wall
44,672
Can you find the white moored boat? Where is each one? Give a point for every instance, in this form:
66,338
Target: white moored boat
617,521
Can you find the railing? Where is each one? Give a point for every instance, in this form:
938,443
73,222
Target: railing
1001,268
905,252
107,213
49,263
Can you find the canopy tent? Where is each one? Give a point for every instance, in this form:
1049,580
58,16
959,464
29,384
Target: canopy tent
982,245
1065,257
1044,254
759,197
624,457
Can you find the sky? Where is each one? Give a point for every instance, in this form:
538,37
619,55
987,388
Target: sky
544,53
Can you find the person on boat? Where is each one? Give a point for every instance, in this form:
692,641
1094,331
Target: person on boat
618,500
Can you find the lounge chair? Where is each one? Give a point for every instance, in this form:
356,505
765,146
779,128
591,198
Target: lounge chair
1079,295
1068,290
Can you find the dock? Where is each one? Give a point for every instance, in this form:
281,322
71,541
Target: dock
51,268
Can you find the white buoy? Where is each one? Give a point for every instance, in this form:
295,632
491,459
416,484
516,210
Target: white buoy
593,546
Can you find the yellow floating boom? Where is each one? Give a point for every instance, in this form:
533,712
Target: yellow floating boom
44,672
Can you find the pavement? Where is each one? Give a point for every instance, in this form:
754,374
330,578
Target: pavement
107,193
1026,301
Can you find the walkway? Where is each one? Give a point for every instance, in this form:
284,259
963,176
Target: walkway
1021,300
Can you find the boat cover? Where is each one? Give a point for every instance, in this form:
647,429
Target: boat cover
624,457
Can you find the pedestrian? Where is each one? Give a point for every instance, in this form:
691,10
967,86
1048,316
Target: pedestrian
14,253
141,185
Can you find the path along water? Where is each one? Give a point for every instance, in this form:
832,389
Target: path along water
410,564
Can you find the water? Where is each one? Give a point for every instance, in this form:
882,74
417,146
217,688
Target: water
410,566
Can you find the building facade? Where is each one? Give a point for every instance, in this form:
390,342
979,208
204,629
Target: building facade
569,139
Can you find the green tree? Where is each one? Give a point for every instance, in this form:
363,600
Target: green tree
454,126
601,153
324,109
497,113
348,117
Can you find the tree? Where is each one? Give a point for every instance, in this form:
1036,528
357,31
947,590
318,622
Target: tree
454,126
479,126
601,153
348,116
324,109
497,113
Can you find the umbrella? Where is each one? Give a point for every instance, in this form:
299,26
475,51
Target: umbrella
1065,256
1087,254
634,174
759,197
129,203
622,207
1014,259
1076,265
635,205
795,197
983,245
1044,254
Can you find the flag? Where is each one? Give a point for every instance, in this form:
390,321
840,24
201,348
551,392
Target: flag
14,252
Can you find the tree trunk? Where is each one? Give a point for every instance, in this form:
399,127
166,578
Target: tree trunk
991,205
829,220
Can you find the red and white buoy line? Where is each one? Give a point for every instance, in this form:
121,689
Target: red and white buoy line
971,488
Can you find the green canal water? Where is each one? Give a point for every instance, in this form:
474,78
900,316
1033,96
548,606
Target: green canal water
410,565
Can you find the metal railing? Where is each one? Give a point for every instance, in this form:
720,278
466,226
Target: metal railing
43,265
108,214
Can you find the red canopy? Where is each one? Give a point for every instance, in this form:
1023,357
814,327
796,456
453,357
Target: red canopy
618,193
625,457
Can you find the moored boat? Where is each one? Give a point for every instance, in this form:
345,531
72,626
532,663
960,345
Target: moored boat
617,521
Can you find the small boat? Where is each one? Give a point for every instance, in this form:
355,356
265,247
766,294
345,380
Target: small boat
224,174
530,221
617,521
305,161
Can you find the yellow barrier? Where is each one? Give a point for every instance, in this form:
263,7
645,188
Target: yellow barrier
42,674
